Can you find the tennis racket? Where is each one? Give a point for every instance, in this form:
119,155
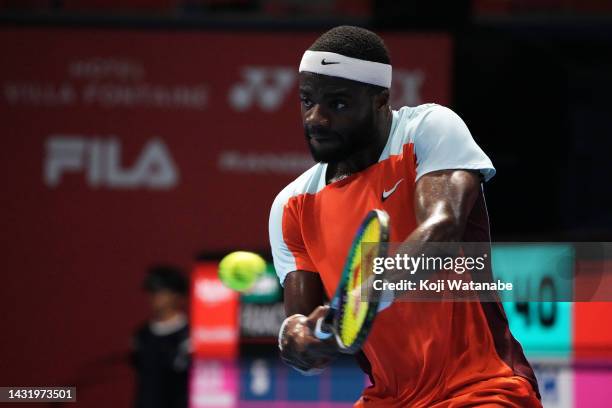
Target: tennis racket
350,317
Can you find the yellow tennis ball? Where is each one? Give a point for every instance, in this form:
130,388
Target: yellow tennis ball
239,270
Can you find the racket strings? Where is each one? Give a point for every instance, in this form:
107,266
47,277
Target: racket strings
354,310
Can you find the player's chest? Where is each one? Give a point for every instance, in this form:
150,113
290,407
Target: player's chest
331,217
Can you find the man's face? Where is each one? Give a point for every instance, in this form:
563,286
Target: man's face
338,116
163,301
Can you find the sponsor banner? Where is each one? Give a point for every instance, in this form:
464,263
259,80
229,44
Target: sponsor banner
259,379
593,331
264,381
125,148
214,314
261,320
192,122
266,288
214,384
556,382
592,386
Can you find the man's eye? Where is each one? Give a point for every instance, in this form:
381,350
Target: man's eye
338,105
306,102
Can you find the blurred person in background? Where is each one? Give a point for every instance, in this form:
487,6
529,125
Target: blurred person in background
161,345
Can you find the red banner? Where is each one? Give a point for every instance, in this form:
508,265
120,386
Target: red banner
214,315
125,148
205,128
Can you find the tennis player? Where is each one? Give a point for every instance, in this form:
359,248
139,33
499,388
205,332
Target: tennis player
422,166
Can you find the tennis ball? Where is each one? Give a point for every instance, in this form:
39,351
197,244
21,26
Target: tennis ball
239,270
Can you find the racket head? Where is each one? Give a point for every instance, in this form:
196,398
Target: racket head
353,315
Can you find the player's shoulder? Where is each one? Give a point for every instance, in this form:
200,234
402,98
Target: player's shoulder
426,115
309,182
407,113
409,122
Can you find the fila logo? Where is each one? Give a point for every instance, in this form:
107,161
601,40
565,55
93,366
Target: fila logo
100,160
406,88
266,87
386,194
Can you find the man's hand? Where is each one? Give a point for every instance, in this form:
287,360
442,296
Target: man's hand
300,348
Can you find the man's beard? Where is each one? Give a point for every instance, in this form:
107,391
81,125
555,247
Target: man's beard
340,147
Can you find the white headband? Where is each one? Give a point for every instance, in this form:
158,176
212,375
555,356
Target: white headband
332,64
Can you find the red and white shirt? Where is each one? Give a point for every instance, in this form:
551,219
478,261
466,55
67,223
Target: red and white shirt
418,353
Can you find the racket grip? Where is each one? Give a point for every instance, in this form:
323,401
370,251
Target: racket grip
319,332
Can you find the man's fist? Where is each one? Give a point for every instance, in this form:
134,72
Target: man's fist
300,348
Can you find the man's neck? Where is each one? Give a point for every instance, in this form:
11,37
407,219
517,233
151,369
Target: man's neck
364,158
171,324
167,315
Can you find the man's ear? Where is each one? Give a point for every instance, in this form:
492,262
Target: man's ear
381,99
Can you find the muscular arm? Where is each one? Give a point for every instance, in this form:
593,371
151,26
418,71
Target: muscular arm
303,292
443,202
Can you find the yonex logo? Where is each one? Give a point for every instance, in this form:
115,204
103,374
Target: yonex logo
266,87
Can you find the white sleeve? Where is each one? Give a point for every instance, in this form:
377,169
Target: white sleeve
284,261
443,142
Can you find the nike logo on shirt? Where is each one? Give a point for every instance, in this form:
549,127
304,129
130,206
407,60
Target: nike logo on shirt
386,194
323,62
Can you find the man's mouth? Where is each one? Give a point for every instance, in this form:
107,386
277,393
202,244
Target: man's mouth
318,137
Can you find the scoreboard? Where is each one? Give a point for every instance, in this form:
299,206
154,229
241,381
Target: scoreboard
548,324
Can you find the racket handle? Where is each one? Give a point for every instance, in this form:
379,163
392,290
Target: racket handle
319,332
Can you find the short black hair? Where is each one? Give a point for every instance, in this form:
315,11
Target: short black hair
166,277
353,42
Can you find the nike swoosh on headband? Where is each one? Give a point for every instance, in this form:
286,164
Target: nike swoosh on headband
323,62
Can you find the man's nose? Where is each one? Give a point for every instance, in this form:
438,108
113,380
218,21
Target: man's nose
315,117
